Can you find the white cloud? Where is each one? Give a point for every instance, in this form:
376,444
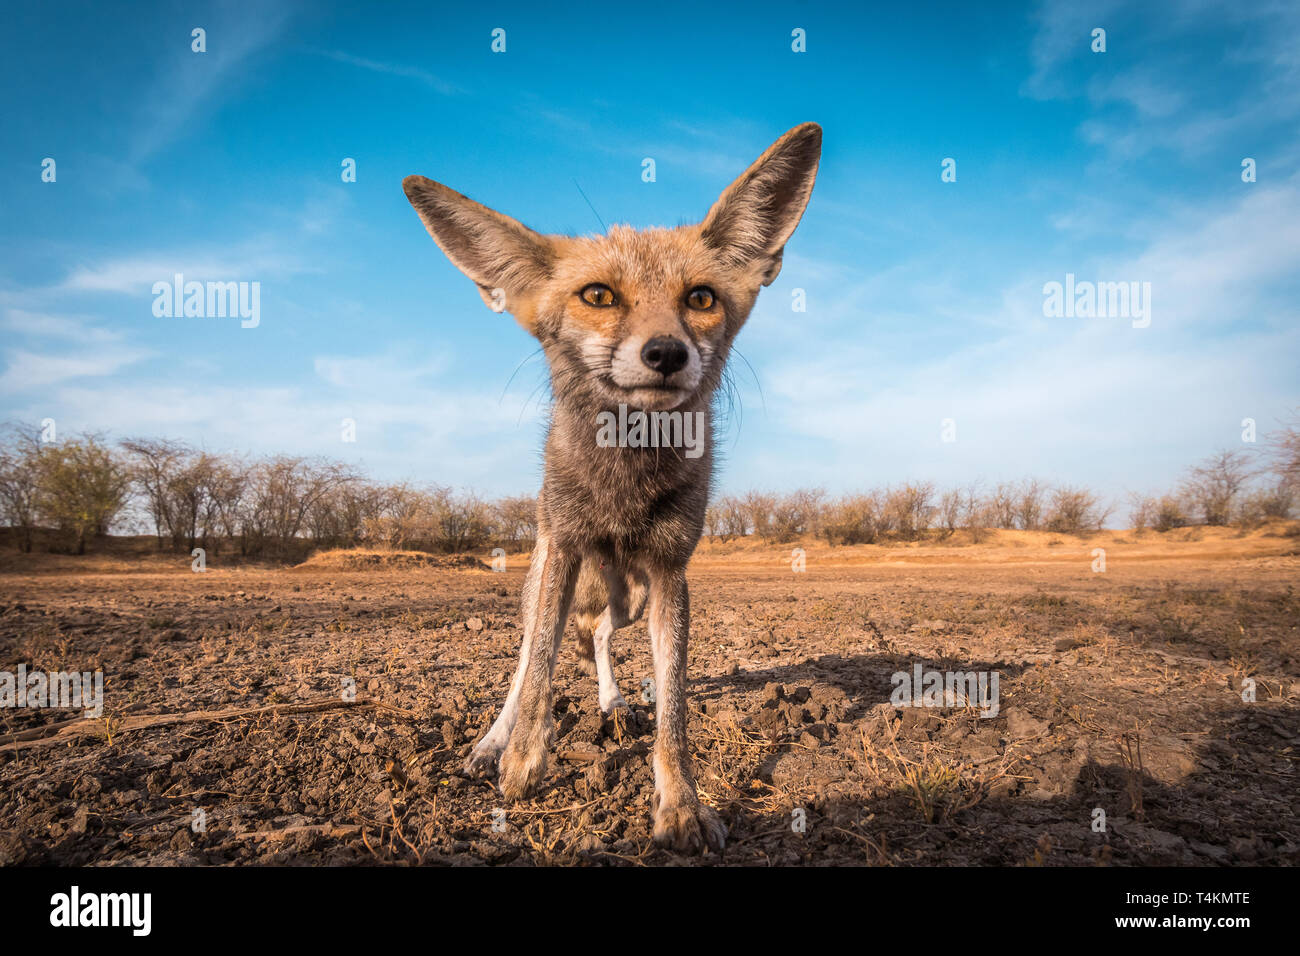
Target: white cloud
1244,81
75,328
188,82
1141,89
410,425
27,370
1089,400
1064,32
394,69
135,275
375,373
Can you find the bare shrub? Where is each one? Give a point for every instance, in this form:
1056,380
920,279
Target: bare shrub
1142,511
20,482
1170,513
759,508
951,510
796,513
280,493
1283,450
1000,506
463,521
911,509
1075,511
1030,496
713,521
1158,513
154,464
227,483
516,520
339,517
1214,485
190,491
1263,504
727,518
394,525
975,512
191,496
851,519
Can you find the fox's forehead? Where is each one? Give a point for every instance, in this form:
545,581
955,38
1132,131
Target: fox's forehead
638,262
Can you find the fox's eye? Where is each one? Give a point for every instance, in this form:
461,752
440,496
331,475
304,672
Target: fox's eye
601,296
700,298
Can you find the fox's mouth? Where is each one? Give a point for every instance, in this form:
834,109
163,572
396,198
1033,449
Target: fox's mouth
659,395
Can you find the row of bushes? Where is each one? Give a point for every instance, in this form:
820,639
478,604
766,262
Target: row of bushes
1227,488
905,512
283,506
278,507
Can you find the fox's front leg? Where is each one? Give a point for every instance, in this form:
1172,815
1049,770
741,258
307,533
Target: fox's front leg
487,752
523,762
680,820
486,755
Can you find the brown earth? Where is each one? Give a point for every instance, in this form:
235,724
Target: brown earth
1119,691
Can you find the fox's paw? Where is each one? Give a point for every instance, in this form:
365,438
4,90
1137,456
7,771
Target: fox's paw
615,706
521,770
689,828
483,759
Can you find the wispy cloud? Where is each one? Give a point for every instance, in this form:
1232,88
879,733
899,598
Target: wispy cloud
375,373
1045,394
62,348
421,76
426,430
26,370
1210,72
1063,33
72,328
188,83
134,275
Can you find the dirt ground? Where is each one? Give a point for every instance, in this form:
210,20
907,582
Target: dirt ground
1120,693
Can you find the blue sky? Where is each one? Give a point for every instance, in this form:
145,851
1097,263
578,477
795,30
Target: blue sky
924,298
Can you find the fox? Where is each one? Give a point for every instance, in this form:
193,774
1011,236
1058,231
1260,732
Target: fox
643,320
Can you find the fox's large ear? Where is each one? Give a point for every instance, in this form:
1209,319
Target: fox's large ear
752,220
504,257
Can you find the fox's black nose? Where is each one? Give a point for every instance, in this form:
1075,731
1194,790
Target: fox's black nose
664,354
